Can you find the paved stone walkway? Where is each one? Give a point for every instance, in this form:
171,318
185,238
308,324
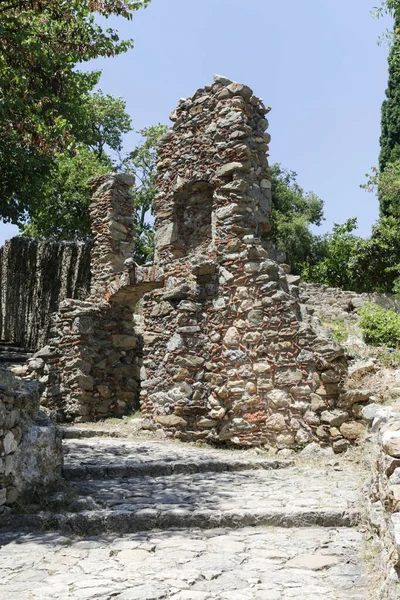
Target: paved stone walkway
248,564
174,524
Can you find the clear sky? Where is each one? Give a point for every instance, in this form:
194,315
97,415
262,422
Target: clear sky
315,62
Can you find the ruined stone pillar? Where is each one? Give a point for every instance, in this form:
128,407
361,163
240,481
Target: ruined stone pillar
226,356
212,185
92,363
111,220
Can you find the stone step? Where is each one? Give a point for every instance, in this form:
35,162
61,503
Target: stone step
290,497
77,433
164,468
234,499
101,458
9,346
12,356
123,457
291,489
7,356
99,522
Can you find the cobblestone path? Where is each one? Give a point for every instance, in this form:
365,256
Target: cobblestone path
152,520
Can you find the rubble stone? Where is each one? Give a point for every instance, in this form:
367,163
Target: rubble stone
93,358
230,302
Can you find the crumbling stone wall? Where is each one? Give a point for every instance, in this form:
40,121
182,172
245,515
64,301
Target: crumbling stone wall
91,365
226,355
30,445
383,495
34,278
330,303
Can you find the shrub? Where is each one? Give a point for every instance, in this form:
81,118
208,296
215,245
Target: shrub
380,327
338,331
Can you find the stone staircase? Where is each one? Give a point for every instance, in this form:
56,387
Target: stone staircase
124,485
12,355
203,523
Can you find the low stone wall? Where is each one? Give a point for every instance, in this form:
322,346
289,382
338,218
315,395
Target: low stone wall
91,366
30,445
383,496
34,278
330,303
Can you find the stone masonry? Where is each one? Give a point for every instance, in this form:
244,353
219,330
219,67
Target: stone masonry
226,355
91,365
30,444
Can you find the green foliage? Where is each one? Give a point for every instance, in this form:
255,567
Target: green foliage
141,162
293,211
380,327
338,331
41,92
390,123
102,122
354,263
338,250
381,256
387,7
388,188
388,358
63,213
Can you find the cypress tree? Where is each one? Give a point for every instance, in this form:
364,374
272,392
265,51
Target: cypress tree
390,123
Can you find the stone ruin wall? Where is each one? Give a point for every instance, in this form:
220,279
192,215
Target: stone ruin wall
227,357
30,445
91,365
34,278
328,303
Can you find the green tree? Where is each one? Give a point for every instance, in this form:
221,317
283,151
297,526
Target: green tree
387,7
354,263
63,213
63,210
337,251
141,162
293,211
387,186
42,92
379,258
390,123
103,120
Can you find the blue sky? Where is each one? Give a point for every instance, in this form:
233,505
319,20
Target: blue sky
316,63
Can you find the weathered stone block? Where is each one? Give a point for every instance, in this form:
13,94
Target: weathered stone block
334,418
127,342
394,530
10,444
170,420
391,443
166,235
352,430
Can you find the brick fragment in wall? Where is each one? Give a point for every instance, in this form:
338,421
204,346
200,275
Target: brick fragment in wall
227,357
